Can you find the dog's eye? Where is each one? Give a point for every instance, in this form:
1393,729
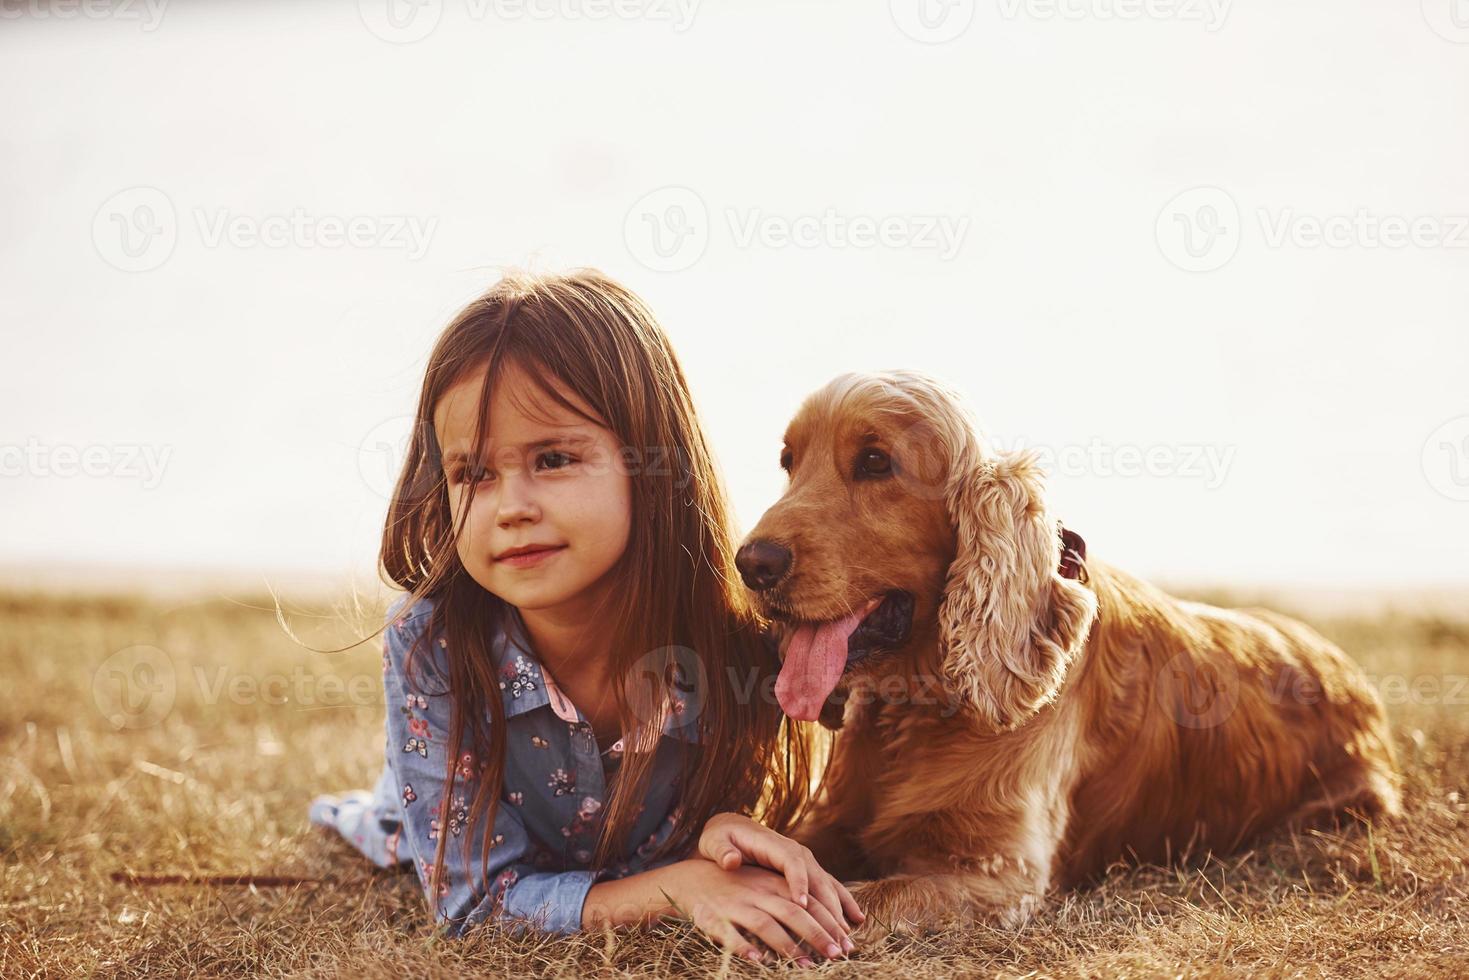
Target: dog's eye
785,460
873,462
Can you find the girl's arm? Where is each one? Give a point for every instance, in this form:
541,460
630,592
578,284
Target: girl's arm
640,899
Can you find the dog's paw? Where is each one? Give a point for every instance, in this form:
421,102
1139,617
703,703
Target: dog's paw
882,905
1016,917
919,906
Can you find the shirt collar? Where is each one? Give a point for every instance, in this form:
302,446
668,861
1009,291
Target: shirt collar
526,685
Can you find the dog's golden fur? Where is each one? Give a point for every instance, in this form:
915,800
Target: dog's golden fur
1033,728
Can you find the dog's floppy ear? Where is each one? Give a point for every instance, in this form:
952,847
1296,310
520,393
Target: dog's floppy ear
1009,625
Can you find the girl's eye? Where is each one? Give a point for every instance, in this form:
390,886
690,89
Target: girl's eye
551,460
873,463
476,475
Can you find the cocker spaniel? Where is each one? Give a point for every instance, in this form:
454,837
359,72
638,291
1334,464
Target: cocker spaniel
1013,716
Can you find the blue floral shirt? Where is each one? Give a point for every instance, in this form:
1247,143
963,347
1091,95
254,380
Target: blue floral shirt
555,788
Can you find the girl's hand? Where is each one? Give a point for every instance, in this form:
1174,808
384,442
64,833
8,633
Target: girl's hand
731,838
748,903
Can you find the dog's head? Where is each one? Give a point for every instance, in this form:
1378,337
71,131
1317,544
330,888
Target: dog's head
899,530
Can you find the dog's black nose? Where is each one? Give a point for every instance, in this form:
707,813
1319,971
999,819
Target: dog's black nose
762,564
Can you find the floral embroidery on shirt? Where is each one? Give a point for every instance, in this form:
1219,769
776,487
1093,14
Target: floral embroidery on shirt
466,767
562,782
426,875
417,727
518,675
458,816
408,795
516,799
503,881
539,742
584,821
458,819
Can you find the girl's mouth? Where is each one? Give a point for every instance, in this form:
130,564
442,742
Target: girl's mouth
527,559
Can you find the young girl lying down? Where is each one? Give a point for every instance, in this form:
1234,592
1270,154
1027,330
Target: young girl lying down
578,711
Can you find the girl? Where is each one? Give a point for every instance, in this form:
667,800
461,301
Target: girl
574,679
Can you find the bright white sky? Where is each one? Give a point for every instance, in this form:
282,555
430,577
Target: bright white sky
1297,390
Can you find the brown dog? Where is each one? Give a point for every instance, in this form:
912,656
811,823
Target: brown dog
1014,717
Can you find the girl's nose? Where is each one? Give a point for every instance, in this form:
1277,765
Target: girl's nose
517,503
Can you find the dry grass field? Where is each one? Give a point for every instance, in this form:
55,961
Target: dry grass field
228,728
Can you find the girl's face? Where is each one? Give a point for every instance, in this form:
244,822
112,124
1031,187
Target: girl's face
552,481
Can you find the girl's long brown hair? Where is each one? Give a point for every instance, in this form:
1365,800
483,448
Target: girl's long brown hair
678,598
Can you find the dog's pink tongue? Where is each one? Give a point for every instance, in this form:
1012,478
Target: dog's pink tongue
814,660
